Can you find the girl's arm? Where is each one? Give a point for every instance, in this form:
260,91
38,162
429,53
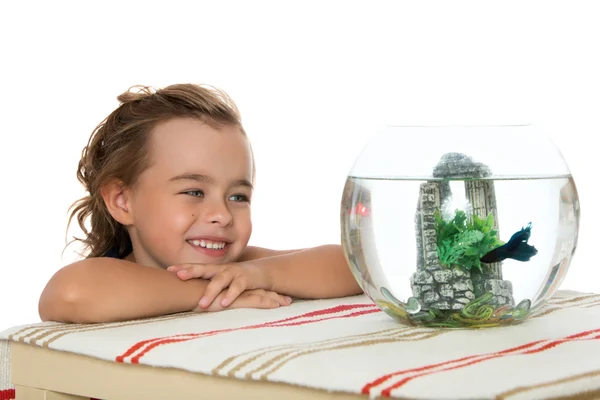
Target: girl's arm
254,253
315,273
319,272
108,289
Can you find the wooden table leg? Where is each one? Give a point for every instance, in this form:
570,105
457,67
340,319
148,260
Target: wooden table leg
29,393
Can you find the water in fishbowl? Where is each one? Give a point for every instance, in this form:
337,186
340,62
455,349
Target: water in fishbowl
443,252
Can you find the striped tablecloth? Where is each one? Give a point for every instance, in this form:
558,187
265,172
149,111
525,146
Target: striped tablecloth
349,345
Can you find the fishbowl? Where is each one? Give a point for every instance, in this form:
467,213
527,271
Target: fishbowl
460,227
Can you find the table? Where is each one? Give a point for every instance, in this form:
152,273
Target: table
344,348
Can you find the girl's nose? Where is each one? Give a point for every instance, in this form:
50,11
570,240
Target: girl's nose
218,213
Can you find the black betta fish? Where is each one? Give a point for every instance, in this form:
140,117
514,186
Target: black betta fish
516,248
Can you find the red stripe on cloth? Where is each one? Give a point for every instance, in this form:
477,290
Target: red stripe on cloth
386,392
331,310
7,394
469,360
367,388
354,314
136,359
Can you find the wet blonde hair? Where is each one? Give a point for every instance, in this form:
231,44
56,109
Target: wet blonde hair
118,150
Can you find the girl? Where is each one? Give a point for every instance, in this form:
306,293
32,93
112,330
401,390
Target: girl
169,176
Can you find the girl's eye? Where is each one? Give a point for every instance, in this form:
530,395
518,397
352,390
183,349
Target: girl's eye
239,197
196,193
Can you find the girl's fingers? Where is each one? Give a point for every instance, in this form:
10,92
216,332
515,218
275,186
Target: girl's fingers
263,301
280,299
216,286
178,267
286,300
184,274
196,271
235,289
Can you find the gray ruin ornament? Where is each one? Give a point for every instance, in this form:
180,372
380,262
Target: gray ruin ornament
443,288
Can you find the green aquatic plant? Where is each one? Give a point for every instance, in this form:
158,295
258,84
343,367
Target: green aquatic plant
462,241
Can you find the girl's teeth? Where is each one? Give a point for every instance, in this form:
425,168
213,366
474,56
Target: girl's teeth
208,245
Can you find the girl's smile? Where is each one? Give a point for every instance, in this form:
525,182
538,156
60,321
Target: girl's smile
211,246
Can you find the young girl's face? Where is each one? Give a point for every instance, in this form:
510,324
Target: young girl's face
192,205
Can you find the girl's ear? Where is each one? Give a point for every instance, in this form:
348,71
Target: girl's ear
116,197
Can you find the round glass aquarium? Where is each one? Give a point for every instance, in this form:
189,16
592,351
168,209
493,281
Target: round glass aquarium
460,227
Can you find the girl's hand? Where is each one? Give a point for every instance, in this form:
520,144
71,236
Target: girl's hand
256,298
238,277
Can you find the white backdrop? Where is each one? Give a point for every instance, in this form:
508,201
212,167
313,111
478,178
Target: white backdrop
314,81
